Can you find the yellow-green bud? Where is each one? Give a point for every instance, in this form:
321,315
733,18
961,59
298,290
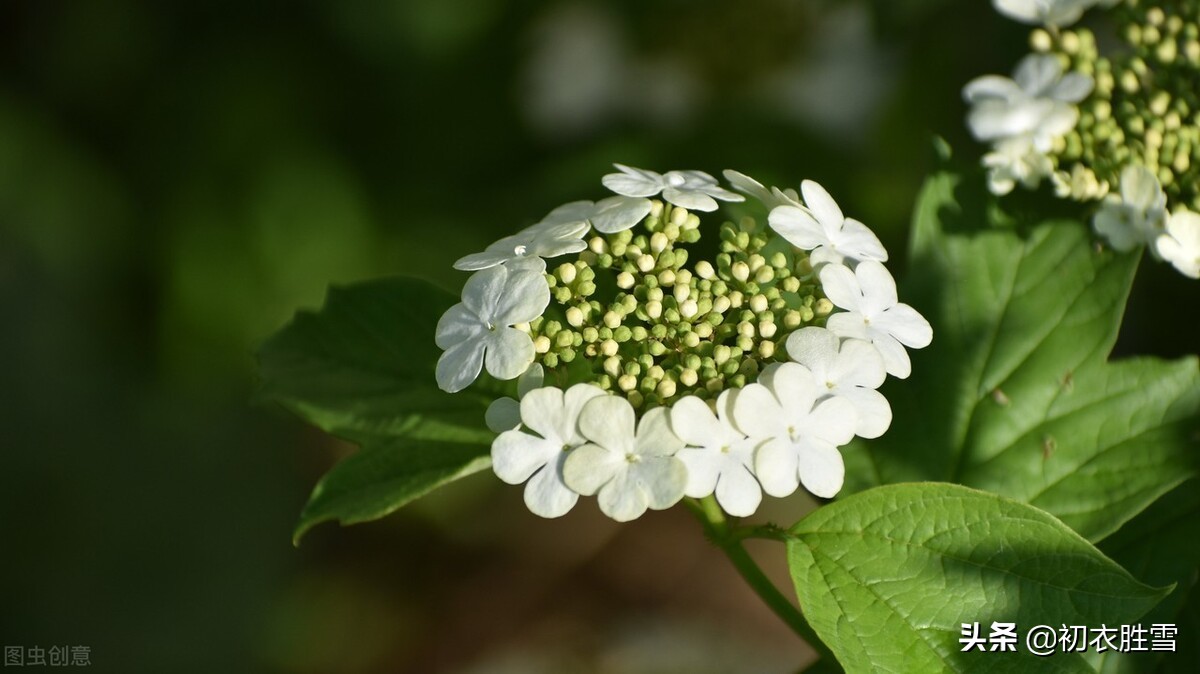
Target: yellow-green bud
758,303
704,270
627,382
575,317
688,377
612,366
541,344
645,263
740,271
666,388
824,307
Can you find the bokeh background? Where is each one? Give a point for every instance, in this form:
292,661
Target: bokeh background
177,178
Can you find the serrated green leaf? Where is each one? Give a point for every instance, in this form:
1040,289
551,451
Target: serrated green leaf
888,576
1015,395
373,483
363,366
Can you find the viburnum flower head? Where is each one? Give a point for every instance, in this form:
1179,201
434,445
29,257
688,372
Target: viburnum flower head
875,314
1016,160
693,190
719,458
478,331
1136,217
645,375
822,229
1180,244
517,456
798,436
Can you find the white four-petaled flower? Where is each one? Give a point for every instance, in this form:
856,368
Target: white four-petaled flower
518,456
824,230
799,436
694,190
1180,244
874,313
1038,103
528,248
1136,217
719,457
478,331
629,471
608,216
851,369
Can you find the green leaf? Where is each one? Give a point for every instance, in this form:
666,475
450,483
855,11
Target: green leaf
374,483
1160,546
1015,395
888,576
363,366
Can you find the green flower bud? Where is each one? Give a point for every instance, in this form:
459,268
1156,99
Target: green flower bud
612,366
627,382
566,355
541,344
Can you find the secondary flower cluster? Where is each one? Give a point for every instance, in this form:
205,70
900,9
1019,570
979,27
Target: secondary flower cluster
1119,129
642,378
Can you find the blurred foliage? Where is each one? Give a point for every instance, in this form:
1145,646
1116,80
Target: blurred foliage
177,178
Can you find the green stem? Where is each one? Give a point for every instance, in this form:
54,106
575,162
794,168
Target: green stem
729,539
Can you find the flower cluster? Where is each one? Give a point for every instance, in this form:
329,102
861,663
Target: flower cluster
644,376
1121,129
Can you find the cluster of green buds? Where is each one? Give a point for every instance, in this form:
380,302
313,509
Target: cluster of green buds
1145,107
633,317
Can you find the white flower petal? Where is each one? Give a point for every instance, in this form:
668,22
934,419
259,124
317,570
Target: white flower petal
848,324
590,467
542,412
1180,245
654,434
841,287
609,422
621,499
991,87
532,379
822,205
478,261
895,358
747,185
906,325
798,226
573,212
546,494
858,241
509,353
872,411
483,290
617,214
516,455
703,467
832,420
795,389
1113,223
574,401
691,200
859,364
757,413
821,469
504,414
459,324
815,348
1072,88
877,286
525,296
777,467
738,492
633,182
694,423
661,480
1036,73
460,365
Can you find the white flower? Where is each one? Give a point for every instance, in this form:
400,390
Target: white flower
630,472
850,369
1180,245
718,457
478,331
822,229
1056,13
769,198
694,190
873,313
799,435
527,248
518,456
1015,160
1038,105
611,215
1136,217
504,414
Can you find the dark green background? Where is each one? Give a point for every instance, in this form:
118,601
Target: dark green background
177,178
